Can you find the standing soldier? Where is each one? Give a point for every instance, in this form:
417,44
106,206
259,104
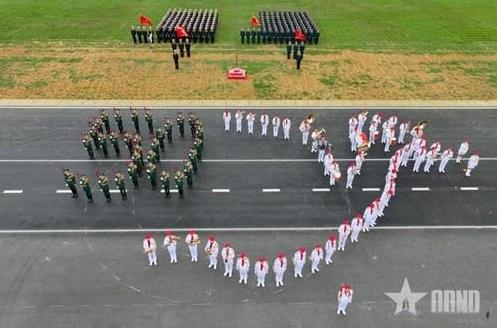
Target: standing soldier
168,126
94,135
105,119
250,122
103,182
191,122
212,249
154,144
227,119
261,269
188,169
150,248
298,59
264,123
84,181
344,298
152,175
243,267
70,179
198,144
149,120
114,140
288,49
279,268
238,120
316,257
102,140
176,59
356,227
119,179
137,140
159,134
343,234
299,259
463,150
192,241
134,118
180,119
133,174
276,126
286,124
305,127
164,181
128,141
97,125
88,146
192,156
187,47
170,243
119,120
228,255
152,157
137,161
133,34
330,247
472,163
179,179
351,172
446,156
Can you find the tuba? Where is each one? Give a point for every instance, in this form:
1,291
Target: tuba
311,118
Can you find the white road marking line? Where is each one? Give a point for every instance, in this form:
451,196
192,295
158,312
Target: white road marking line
172,191
420,189
62,191
469,188
371,189
321,189
253,229
12,191
220,190
271,190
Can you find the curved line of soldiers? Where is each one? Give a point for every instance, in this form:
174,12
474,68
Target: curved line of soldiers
99,130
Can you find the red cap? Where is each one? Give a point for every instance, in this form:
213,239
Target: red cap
346,222
212,237
318,246
332,237
242,254
280,255
261,259
302,249
191,231
168,232
148,235
227,244
359,215
476,152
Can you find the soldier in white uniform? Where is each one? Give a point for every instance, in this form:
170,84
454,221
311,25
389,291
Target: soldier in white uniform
261,269
305,127
328,159
250,122
405,154
276,126
228,255
238,119
446,156
264,123
212,250
356,227
170,243
463,150
315,138
368,215
362,117
403,128
429,160
359,159
334,173
299,259
389,139
243,267
344,298
352,127
286,124
419,157
227,120
150,248
330,247
316,257
373,132
472,163
279,268
322,145
343,234
192,241
351,172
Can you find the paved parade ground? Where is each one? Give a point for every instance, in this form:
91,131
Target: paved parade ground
76,264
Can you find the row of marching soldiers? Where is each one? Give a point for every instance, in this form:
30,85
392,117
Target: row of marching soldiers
261,266
137,164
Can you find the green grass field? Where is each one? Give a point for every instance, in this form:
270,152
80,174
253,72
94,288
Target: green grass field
374,25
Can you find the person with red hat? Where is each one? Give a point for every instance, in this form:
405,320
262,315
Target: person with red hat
419,157
250,122
212,250
228,255
368,216
376,212
305,127
276,126
170,243
286,124
299,259
344,298
264,123
404,158
356,227
352,131
463,150
429,160
390,139
330,247
444,159
192,241
361,119
279,268
373,131
343,234
243,267
328,159
472,163
359,159
334,173
261,269
316,257
238,120
227,119
150,248
403,128
351,172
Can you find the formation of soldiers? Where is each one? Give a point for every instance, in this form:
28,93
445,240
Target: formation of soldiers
200,24
179,48
280,26
141,161
142,34
295,50
265,120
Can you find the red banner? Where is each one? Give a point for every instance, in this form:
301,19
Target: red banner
299,36
145,21
255,22
181,32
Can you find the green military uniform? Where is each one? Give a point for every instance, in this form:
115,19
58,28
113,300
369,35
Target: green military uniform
137,161
192,156
98,126
198,144
152,175
114,140
119,120
119,179
179,179
168,126
288,50
152,157
129,142
140,155
188,169
137,140
84,181
70,179
149,120
134,118
103,182
159,134
156,148
180,119
164,181
94,135
105,119
133,174
191,121
88,146
102,140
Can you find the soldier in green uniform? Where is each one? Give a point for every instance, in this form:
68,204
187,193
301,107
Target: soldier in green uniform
119,120
154,144
137,161
119,179
192,156
102,140
137,140
164,181
94,135
129,142
88,146
198,147
103,182
152,157
180,119
105,118
188,169
191,121
114,140
133,174
149,120
134,118
84,181
168,126
179,179
152,175
160,135
98,126
140,154
70,179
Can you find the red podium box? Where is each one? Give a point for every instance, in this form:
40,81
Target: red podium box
237,74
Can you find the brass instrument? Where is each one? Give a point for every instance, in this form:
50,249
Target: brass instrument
311,118
318,134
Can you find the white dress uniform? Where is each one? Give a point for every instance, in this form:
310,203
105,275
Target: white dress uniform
261,269
419,158
279,268
352,127
316,257
351,172
445,158
343,234
227,120
361,119
192,242
429,160
243,267
150,247
344,299
328,159
384,127
212,250
322,145
299,259
389,139
405,155
356,227
286,124
472,164
373,130
334,173
359,159
228,255
403,128
463,150
276,126
250,122
264,123
238,119
330,247
305,127
170,243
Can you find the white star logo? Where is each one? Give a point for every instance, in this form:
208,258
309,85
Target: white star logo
406,299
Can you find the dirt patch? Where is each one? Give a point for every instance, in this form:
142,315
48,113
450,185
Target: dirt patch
114,73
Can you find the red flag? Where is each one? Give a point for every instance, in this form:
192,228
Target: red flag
255,22
299,36
181,32
145,21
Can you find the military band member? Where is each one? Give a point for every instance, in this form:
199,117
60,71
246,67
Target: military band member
88,146
191,121
149,248
152,174
192,241
168,126
133,34
228,256
179,179
188,169
180,120
134,118
94,135
137,161
98,125
176,59
70,179
149,120
119,179
212,250
102,140
137,140
133,174
103,182
84,181
289,47
128,141
105,119
119,120
114,140
170,243
160,135
188,47
164,182
152,157
192,156
154,144
344,298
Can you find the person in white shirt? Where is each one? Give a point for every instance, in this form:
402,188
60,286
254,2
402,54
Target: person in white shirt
316,257
419,158
362,117
192,241
276,126
279,268
286,128
403,128
238,119
330,247
250,122
227,120
212,250
472,163
299,259
356,227
446,156
261,269
150,248
170,244
344,298
243,266
463,150
264,123
343,234
305,127
351,172
228,256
